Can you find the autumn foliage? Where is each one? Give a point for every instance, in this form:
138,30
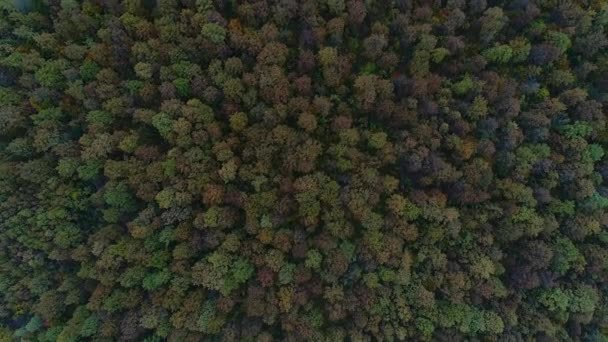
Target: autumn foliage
317,170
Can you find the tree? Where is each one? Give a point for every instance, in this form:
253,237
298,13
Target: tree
222,272
492,22
499,54
214,33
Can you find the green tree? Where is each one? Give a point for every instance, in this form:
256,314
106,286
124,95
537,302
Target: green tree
500,54
214,32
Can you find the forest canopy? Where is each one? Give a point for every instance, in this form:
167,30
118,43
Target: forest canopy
315,170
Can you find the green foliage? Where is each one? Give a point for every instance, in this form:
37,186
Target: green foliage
48,115
566,208
336,6
182,86
420,63
328,56
492,22
567,256
313,259
165,198
559,40
241,271
584,299
520,49
331,170
555,300
463,86
8,97
479,108
425,326
20,148
212,217
89,327
596,152
163,123
51,74
129,143
439,54
34,324
404,207
577,129
470,320
377,140
119,196
214,32
134,86
88,70
155,280
89,170
209,322
222,272
238,121
500,54
5,334
99,117
143,70
286,274
132,276
369,68
597,201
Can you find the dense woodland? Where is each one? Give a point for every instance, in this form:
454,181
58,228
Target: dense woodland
317,170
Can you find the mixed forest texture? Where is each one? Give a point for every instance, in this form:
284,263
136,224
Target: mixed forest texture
316,170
